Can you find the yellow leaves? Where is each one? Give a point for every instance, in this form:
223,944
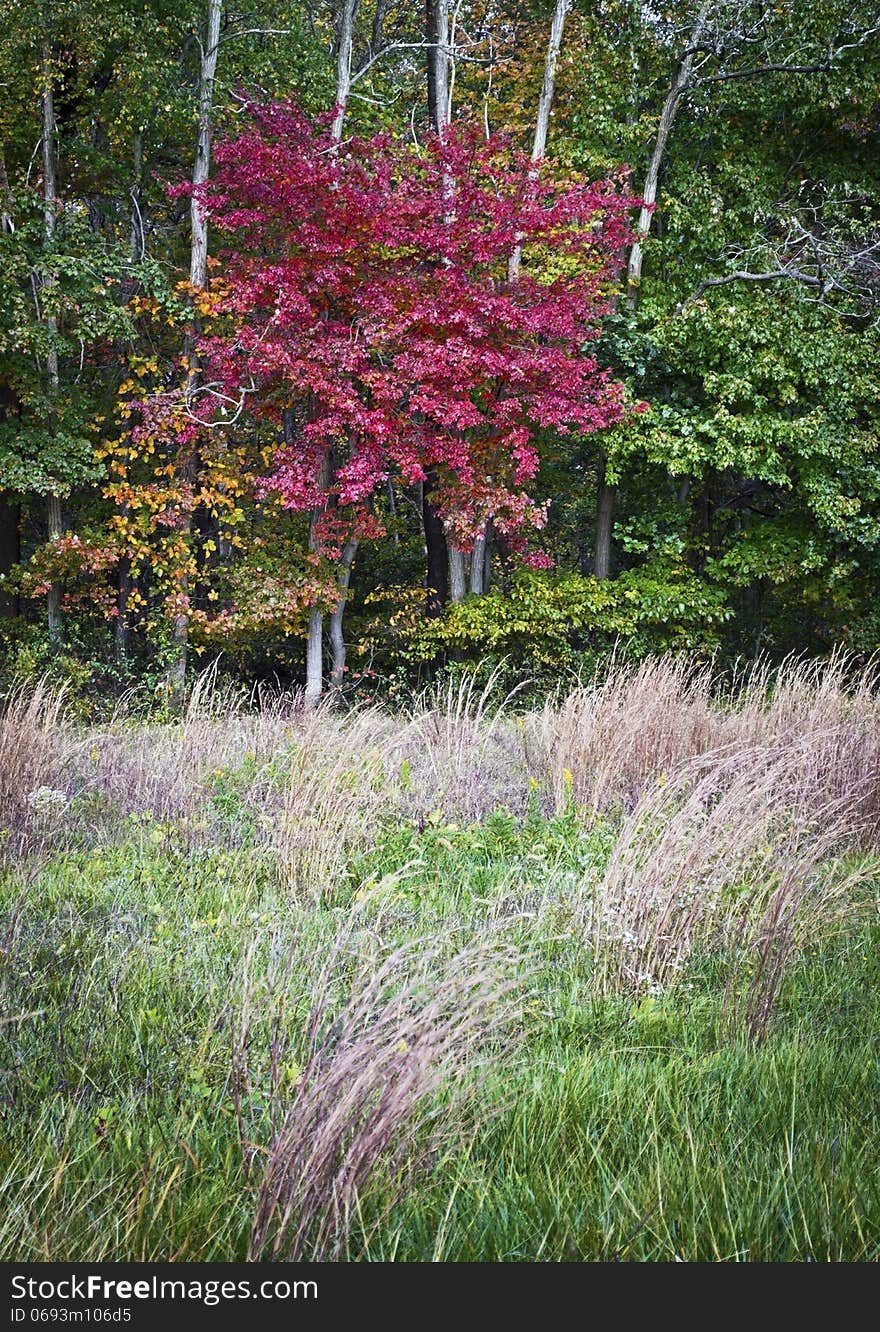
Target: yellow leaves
144,305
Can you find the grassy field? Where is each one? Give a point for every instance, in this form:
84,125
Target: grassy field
597,981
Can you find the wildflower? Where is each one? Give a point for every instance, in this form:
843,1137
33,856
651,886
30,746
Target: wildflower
46,802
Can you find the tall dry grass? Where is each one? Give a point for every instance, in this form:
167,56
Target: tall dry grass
388,1071
606,741
744,851
30,749
731,799
457,750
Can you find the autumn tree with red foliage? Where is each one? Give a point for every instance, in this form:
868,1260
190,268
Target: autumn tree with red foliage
366,313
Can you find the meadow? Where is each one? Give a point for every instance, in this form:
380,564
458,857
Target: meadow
592,980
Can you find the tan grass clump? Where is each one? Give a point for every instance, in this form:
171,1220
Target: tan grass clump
30,749
744,851
384,1086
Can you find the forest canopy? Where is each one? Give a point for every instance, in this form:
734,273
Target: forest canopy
356,341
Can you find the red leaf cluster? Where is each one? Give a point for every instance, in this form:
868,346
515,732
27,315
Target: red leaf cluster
365,291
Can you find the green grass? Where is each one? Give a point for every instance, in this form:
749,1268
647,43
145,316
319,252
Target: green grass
631,1129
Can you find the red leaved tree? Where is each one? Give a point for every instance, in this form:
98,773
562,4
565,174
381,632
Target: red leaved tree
367,313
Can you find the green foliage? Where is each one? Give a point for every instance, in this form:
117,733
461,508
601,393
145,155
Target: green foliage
558,621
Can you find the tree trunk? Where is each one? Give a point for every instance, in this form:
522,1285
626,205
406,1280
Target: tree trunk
198,272
605,497
681,80
54,520
457,574
436,551
451,582
478,565
437,36
137,240
120,628
545,105
7,207
377,35
337,639
344,37
315,639
488,541
10,553
53,598
198,266
315,659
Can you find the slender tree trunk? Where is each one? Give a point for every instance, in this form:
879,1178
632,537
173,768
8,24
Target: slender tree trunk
137,240
489,534
439,110
198,268
436,551
120,628
377,35
337,639
344,38
315,659
7,206
54,521
479,577
55,526
606,496
10,552
457,574
437,36
545,105
198,272
478,565
680,82
136,251
10,513
315,639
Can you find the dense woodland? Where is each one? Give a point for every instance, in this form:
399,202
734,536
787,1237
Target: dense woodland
354,341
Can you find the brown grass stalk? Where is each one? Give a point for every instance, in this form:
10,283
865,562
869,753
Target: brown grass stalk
384,1085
